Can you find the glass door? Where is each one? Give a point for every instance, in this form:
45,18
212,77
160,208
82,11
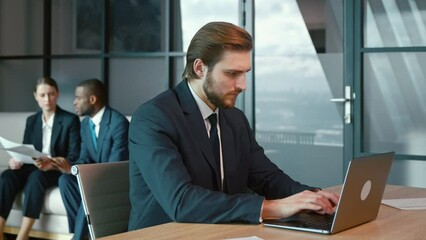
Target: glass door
299,68
391,104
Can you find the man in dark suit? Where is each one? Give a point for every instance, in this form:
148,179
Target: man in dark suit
104,138
193,155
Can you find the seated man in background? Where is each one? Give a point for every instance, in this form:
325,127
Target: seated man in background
193,154
104,138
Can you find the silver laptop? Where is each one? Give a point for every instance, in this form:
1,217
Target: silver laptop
359,203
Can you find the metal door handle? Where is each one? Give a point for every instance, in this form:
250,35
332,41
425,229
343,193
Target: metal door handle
339,99
347,100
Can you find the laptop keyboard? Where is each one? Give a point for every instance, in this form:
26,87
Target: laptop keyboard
324,222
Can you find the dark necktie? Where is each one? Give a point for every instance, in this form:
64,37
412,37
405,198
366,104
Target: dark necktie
214,139
93,133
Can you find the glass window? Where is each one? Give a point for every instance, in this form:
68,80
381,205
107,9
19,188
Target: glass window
76,26
69,72
177,68
133,81
394,23
299,68
195,14
394,109
136,26
21,27
17,82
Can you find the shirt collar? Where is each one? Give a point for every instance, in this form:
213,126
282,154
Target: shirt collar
49,122
205,110
98,117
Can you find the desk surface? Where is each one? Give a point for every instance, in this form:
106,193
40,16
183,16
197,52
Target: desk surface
391,223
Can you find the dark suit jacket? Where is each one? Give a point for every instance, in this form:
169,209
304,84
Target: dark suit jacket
172,172
65,140
112,140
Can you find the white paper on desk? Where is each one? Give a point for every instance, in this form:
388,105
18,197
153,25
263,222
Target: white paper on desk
245,238
21,152
406,203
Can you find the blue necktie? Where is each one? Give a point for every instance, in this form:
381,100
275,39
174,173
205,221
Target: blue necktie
93,133
214,139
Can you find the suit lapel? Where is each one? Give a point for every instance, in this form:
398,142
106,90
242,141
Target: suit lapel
38,132
103,129
56,130
196,124
228,150
88,135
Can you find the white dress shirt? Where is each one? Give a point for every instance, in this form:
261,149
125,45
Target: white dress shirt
47,134
97,120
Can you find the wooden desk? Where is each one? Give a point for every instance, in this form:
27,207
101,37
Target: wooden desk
391,223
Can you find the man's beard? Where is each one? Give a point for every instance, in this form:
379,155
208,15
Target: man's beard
211,96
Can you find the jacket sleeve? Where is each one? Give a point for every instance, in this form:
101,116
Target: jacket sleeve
120,136
28,130
265,178
74,140
84,152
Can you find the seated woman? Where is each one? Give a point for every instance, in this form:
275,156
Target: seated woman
52,131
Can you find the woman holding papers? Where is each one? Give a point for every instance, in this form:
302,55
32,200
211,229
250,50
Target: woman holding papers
52,131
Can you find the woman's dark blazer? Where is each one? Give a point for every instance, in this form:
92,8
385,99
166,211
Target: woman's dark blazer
65,140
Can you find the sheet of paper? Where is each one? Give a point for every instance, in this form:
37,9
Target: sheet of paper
406,203
27,150
21,152
245,238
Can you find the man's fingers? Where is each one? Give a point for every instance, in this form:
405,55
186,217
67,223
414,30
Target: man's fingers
324,200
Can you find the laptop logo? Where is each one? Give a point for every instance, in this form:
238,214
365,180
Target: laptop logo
366,190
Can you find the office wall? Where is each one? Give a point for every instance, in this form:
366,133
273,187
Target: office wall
17,84
143,80
408,173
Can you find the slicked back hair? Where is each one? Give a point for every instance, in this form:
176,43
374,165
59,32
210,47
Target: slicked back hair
211,41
